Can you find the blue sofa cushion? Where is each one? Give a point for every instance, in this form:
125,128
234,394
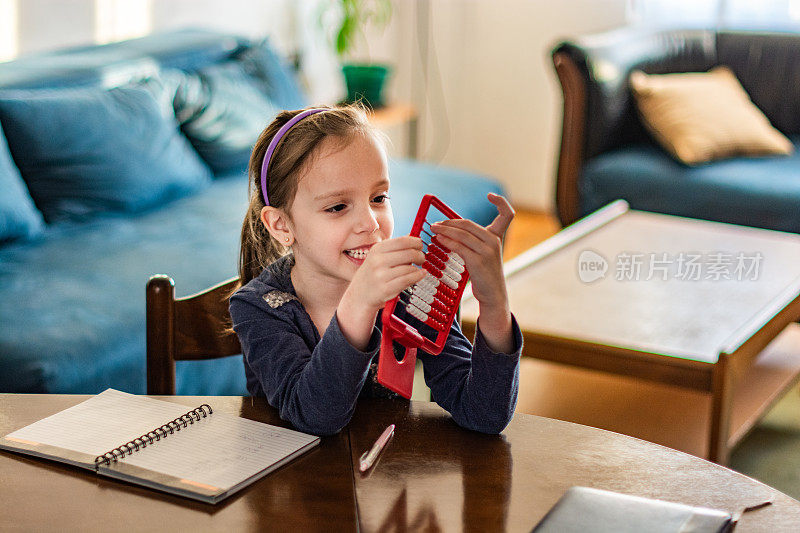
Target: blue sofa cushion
78,318
117,63
275,77
222,111
19,218
88,150
752,191
464,192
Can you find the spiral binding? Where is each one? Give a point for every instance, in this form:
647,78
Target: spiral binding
183,421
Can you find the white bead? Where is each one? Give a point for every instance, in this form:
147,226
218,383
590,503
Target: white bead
449,282
416,313
416,301
455,265
452,273
430,280
426,295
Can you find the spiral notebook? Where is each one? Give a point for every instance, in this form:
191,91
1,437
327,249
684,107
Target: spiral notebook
197,453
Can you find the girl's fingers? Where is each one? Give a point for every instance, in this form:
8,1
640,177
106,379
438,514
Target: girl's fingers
505,215
400,243
470,235
406,279
402,271
458,247
463,224
403,257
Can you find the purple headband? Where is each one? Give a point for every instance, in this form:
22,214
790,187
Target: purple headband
274,143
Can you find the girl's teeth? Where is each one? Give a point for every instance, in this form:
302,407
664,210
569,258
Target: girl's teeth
358,254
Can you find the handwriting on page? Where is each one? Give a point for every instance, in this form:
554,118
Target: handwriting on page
101,423
220,450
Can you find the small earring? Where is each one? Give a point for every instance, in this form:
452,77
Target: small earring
287,239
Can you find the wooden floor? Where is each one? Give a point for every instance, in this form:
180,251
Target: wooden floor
528,229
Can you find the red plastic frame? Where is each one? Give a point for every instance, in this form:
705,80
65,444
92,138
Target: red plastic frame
399,375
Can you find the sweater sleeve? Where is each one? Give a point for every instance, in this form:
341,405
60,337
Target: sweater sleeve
475,385
314,389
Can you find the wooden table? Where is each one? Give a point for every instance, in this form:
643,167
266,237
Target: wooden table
693,364
432,475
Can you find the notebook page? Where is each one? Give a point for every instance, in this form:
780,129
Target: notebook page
101,423
221,450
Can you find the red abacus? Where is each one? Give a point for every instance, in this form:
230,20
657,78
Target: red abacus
433,302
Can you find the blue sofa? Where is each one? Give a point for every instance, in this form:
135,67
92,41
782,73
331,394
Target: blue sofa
607,154
127,160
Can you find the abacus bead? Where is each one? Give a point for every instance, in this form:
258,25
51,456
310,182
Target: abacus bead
426,295
449,282
440,245
438,253
435,324
430,268
436,315
417,302
446,300
435,249
455,276
416,313
435,261
430,280
426,286
455,265
437,304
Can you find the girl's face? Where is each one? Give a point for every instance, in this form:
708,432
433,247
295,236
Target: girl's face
341,208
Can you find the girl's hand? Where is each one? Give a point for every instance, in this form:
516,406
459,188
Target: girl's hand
482,251
387,270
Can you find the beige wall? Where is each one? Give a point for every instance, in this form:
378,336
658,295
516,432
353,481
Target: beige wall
490,101
495,106
49,24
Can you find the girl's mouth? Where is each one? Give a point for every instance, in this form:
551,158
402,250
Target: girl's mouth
358,253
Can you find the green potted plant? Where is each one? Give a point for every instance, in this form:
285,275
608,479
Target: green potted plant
364,79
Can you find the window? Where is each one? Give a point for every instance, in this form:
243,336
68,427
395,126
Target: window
775,14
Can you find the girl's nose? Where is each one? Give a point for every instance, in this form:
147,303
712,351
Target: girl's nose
367,221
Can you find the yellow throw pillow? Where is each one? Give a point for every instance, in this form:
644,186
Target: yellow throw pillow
701,116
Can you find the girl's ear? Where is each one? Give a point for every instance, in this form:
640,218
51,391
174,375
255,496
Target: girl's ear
277,225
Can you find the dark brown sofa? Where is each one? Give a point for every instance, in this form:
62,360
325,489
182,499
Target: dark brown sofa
606,153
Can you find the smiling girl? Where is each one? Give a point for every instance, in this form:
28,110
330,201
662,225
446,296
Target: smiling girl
318,262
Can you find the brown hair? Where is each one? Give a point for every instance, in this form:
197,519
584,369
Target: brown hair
294,151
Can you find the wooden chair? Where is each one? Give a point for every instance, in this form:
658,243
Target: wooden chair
190,328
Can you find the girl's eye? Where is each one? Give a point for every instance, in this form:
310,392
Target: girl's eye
381,198
336,208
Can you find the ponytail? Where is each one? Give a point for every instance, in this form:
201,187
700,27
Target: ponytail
258,248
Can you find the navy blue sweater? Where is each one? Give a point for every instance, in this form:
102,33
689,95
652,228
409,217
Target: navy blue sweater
315,382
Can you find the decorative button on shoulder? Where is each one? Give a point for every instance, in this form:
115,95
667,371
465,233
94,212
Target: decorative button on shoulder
278,298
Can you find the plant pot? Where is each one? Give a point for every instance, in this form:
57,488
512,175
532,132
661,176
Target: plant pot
365,82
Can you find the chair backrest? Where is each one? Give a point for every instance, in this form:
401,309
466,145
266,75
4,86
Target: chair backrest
195,327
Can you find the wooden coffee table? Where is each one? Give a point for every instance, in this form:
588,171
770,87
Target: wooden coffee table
676,353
